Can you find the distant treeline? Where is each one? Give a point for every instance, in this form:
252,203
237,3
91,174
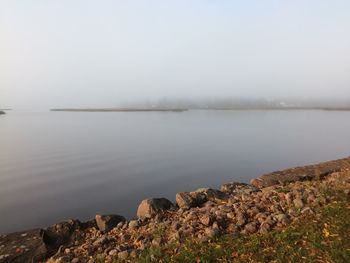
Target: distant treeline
237,103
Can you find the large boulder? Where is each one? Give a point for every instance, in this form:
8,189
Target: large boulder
29,247
153,206
107,222
61,233
37,245
309,172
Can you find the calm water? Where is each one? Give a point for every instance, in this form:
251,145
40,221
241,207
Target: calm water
59,165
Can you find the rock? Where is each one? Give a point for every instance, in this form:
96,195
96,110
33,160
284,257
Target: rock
157,241
230,215
60,233
289,198
241,219
264,227
307,210
113,252
133,224
2,112
185,200
206,219
209,195
100,241
298,203
251,228
107,222
238,188
280,217
153,206
310,172
123,254
175,226
34,247
211,232
134,253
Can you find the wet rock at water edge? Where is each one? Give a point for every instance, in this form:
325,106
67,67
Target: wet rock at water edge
151,207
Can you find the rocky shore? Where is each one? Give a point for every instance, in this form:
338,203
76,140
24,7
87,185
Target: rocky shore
269,202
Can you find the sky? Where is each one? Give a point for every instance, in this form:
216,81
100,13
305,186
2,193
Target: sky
85,53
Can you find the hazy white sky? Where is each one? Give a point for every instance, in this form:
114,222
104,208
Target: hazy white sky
99,53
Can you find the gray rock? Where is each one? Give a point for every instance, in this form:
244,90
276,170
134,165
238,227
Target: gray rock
100,241
2,112
107,222
209,195
153,206
310,172
185,200
238,188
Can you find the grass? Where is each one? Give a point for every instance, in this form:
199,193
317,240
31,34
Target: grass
324,237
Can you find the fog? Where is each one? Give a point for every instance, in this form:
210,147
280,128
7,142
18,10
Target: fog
107,53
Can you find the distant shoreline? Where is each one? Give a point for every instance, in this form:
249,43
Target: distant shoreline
121,110
185,109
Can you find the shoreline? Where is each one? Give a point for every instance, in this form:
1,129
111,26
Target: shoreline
39,244
201,109
120,110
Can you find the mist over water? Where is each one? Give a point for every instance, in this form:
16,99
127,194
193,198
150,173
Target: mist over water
101,54
196,55
59,165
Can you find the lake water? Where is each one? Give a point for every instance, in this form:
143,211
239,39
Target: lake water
60,165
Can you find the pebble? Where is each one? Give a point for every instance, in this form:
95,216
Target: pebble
133,224
113,252
123,254
298,203
211,232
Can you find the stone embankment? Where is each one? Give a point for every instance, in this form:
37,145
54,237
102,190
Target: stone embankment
270,202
